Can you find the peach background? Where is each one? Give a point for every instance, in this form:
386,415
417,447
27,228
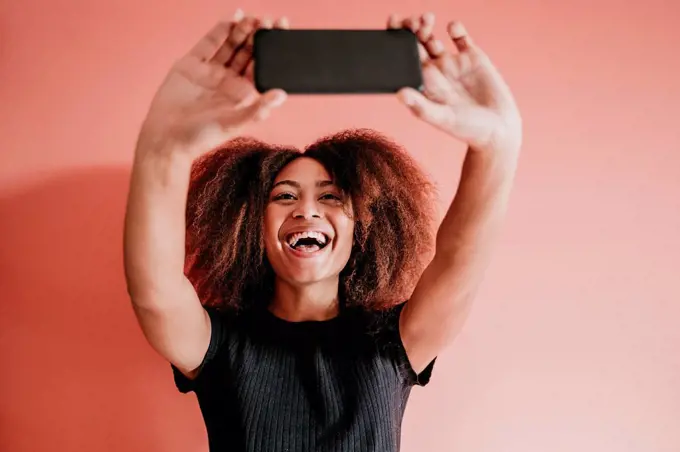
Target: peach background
574,341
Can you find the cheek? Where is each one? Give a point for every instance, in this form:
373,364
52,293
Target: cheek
345,230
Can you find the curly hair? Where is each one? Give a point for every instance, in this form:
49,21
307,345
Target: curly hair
392,205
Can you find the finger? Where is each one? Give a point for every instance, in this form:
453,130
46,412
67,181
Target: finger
282,23
241,41
237,37
270,100
412,23
435,48
250,67
437,87
422,107
266,23
423,54
451,65
393,21
426,27
460,37
256,111
208,46
244,56
454,65
249,73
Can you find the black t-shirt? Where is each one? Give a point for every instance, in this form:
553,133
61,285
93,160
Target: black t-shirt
269,385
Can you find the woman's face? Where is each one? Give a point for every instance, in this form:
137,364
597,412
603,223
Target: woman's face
308,235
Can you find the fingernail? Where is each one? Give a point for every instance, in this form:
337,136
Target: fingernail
408,97
278,98
238,15
457,30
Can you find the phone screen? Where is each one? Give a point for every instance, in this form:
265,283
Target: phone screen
336,61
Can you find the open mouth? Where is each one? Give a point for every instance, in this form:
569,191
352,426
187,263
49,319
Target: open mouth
308,241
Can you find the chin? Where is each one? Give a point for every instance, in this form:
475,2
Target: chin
305,278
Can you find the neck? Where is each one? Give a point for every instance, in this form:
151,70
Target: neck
311,302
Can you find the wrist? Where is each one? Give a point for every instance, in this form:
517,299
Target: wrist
504,146
489,172
494,160
154,139
162,162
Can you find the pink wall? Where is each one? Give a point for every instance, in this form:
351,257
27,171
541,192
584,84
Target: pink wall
574,344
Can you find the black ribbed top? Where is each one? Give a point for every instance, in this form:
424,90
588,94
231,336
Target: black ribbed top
269,385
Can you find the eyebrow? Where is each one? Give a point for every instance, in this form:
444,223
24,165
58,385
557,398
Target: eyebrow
321,183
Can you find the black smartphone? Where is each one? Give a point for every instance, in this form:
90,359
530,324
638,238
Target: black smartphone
336,61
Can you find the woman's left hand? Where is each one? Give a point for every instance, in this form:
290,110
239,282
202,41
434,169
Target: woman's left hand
464,94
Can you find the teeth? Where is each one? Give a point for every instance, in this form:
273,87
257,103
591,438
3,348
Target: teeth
319,236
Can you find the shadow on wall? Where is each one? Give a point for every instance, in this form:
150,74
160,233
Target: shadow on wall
77,372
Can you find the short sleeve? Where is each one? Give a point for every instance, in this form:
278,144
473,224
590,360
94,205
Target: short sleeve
399,351
218,333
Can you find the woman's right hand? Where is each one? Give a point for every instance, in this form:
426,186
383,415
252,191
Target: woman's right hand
209,95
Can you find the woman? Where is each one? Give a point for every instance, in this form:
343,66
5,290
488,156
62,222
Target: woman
287,323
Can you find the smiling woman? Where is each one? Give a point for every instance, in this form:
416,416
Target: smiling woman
277,287
250,193
293,256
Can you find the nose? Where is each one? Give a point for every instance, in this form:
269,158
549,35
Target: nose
307,209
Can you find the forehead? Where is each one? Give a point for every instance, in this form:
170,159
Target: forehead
303,169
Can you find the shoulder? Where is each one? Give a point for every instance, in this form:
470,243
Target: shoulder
384,329
373,328
382,322
226,328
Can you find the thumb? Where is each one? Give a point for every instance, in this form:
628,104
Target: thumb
259,109
422,107
266,103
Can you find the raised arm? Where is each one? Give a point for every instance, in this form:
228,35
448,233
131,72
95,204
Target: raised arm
205,100
466,97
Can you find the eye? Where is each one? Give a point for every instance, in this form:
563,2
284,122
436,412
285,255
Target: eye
330,197
284,197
